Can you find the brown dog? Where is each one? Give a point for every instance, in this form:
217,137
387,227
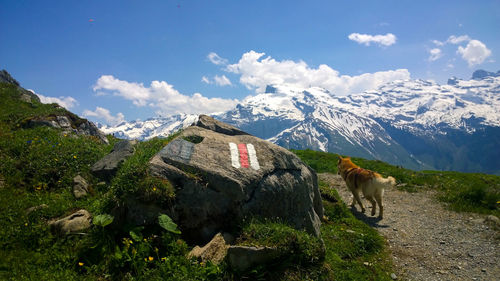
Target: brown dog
370,183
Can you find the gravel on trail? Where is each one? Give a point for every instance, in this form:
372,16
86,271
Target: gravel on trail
428,241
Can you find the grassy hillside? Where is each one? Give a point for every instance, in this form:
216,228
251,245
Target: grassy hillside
470,192
37,166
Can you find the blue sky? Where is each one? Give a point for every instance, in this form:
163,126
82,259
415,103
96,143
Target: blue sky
124,60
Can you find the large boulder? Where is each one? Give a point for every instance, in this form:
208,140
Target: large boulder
107,166
221,179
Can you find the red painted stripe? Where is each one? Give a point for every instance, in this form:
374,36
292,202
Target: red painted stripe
242,148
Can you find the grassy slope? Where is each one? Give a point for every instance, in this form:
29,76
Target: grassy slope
38,166
471,192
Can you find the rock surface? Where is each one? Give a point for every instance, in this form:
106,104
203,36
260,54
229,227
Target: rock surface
107,166
214,251
80,187
69,124
241,258
78,221
221,179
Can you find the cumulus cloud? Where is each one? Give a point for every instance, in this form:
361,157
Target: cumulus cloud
367,39
215,59
474,53
258,72
162,96
105,115
66,102
435,54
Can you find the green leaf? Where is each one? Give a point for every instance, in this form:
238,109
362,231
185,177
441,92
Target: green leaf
168,224
136,234
103,220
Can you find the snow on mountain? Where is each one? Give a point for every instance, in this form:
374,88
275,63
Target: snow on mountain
414,123
150,128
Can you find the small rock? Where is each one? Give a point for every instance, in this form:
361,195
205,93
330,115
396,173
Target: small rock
215,251
393,276
36,208
494,220
242,258
483,269
80,187
75,222
442,242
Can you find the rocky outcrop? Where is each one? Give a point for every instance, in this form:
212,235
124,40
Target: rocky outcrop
220,179
107,166
76,222
69,123
24,95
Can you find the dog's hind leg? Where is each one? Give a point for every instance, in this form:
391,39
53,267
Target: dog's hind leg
358,199
378,197
374,204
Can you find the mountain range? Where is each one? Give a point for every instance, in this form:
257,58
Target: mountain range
416,124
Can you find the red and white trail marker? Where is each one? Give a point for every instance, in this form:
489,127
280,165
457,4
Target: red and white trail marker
243,156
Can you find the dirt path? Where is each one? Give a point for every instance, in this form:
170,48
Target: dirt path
429,242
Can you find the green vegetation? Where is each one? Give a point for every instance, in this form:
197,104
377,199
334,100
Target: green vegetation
37,167
469,192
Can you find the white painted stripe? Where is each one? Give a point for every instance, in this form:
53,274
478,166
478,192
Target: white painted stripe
235,155
252,155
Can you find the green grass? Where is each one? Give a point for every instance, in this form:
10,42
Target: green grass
38,165
468,192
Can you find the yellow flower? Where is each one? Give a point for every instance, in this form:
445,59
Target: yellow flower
80,263
154,188
26,224
65,135
74,156
498,202
164,259
151,258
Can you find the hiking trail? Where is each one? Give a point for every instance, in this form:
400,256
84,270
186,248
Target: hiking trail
428,241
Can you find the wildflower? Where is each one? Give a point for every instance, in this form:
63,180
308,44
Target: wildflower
29,142
74,156
65,135
26,224
498,202
154,188
151,258
164,259
80,263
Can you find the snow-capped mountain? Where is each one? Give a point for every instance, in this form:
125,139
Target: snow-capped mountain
150,128
414,123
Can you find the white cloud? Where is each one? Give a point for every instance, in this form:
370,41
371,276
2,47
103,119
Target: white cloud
367,39
162,96
104,114
218,80
66,102
474,53
257,72
458,39
438,43
205,79
435,54
215,59
222,80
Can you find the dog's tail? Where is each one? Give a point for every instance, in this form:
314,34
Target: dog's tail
388,182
